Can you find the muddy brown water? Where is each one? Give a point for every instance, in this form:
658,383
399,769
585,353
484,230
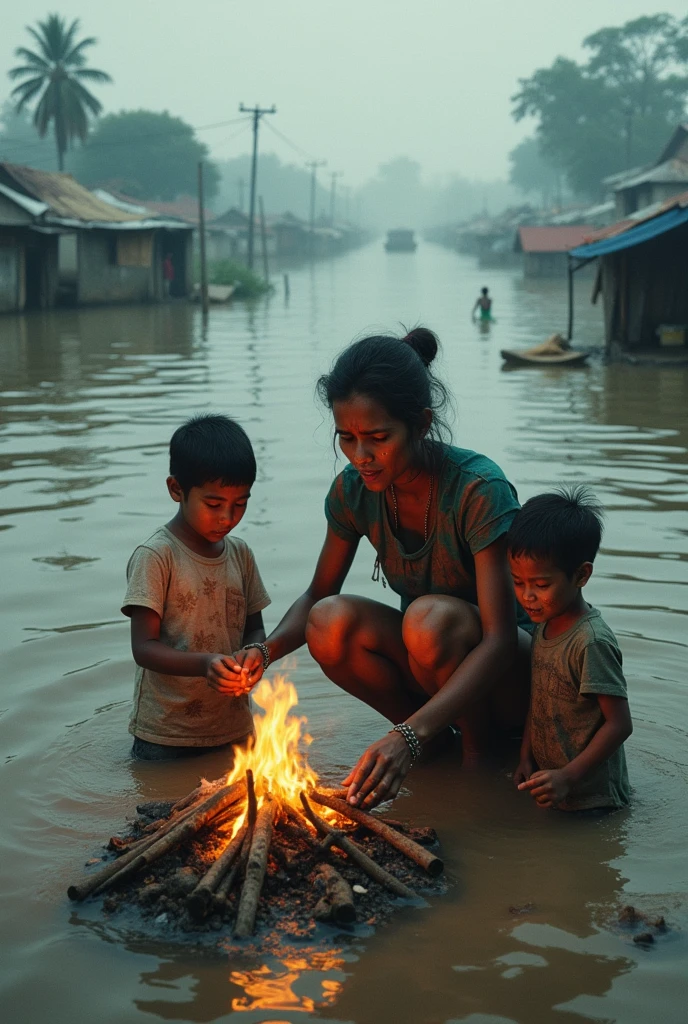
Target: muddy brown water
89,400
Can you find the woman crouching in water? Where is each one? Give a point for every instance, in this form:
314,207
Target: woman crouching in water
437,516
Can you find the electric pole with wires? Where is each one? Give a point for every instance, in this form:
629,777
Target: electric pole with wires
314,164
256,112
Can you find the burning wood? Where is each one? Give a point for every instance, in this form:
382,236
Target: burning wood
185,863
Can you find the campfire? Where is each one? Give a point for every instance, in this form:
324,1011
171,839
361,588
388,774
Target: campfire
259,823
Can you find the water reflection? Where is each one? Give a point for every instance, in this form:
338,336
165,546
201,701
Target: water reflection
90,400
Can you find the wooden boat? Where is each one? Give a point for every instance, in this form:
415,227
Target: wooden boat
526,358
400,240
556,350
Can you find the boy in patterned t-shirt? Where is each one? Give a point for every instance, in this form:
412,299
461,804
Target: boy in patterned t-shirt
195,597
572,754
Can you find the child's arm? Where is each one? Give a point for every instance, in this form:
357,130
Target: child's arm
526,763
150,652
551,787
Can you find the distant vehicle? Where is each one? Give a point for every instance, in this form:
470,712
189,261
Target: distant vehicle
400,240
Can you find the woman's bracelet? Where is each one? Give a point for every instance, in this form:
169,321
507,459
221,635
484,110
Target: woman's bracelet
414,744
263,648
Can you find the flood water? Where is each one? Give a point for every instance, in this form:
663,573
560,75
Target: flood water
89,401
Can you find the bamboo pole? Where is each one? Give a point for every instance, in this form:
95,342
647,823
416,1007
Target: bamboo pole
143,856
366,863
255,870
420,855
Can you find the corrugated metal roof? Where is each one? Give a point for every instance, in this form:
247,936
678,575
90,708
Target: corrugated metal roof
553,238
636,235
32,206
670,172
639,217
63,194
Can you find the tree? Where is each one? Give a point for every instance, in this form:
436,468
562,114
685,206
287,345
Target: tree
145,154
531,171
55,76
616,110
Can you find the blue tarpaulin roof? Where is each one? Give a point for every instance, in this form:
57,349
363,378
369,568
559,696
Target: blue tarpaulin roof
634,236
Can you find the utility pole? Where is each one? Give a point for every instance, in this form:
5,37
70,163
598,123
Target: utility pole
256,112
313,164
201,238
333,192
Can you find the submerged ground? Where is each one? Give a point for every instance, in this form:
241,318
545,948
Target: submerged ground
89,401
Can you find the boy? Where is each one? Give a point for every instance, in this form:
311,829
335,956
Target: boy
194,596
572,754
484,304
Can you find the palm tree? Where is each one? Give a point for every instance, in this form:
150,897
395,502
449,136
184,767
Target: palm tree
55,74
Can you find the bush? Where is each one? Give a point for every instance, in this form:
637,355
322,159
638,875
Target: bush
248,285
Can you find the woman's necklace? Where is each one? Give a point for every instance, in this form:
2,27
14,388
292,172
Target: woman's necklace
395,510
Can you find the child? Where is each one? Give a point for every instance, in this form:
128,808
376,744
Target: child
484,304
194,596
572,754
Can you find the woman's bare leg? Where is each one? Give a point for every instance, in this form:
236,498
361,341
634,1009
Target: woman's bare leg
358,644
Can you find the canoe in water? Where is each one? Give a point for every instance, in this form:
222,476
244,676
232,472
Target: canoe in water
567,358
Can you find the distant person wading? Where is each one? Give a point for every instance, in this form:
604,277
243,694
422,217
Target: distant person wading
437,517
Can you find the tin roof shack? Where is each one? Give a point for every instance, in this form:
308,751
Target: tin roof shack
545,249
28,260
104,253
642,275
634,190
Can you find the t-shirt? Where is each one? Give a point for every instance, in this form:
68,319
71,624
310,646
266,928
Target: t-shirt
475,506
202,604
567,673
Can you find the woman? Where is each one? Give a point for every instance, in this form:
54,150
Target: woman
437,517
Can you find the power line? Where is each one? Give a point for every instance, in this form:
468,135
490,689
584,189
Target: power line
297,149
256,113
139,136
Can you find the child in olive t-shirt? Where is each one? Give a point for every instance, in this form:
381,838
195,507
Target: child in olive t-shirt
572,754
195,597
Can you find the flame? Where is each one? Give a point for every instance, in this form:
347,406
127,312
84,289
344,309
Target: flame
279,765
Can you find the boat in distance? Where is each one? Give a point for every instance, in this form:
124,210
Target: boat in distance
401,240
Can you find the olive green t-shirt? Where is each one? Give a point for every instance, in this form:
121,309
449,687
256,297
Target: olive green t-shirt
475,506
203,604
567,674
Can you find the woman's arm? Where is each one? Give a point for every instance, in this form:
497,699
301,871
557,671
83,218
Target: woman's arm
381,769
330,572
490,659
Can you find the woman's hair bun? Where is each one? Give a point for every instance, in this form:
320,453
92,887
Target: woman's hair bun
424,343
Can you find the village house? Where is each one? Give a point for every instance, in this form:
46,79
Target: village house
643,187
642,275
545,248
61,242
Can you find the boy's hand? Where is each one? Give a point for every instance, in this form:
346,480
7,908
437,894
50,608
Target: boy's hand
227,674
250,665
524,771
547,788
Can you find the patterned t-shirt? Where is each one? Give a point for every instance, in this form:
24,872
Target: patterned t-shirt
567,673
475,506
203,604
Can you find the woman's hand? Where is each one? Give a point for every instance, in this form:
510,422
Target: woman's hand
379,773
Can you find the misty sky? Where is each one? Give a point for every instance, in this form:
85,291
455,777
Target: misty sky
355,83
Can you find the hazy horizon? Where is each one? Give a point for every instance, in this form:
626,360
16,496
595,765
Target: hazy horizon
356,89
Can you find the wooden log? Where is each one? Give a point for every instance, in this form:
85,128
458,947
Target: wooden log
255,870
225,887
199,902
366,863
339,895
420,855
155,846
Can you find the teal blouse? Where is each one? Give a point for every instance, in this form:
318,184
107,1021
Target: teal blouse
475,506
